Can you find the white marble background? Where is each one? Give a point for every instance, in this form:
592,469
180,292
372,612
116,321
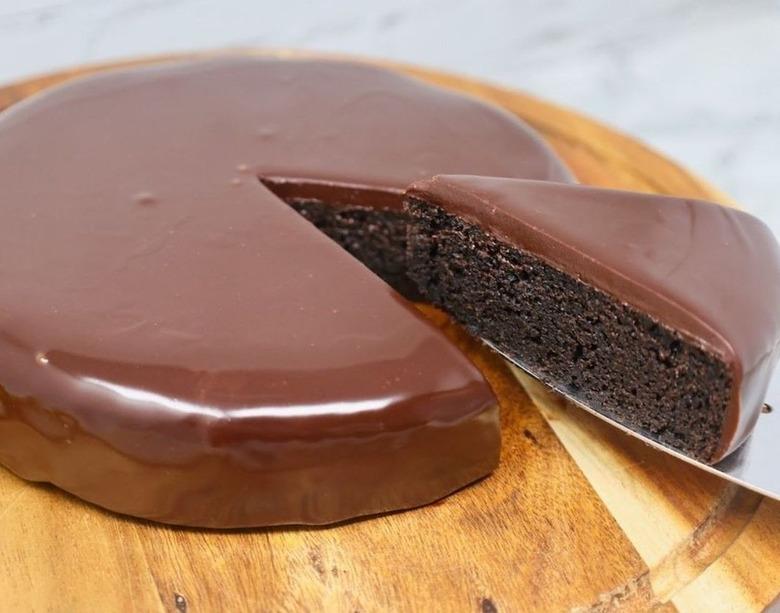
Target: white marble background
698,79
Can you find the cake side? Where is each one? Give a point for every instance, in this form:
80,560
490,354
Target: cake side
202,471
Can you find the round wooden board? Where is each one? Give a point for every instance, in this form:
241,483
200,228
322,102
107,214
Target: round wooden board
578,516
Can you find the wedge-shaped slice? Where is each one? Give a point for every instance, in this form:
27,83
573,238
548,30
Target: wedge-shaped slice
663,313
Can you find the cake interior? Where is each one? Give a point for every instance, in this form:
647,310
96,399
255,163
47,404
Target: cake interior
375,236
571,335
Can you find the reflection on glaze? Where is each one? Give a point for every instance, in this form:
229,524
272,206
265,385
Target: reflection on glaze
263,412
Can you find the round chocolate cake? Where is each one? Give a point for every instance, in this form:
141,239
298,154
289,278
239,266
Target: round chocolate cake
181,340
178,343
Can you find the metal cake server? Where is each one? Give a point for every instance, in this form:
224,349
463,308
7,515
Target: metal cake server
755,465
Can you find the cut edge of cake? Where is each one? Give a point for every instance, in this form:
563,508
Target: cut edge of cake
604,303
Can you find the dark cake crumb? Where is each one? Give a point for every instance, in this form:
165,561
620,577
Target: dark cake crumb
376,237
571,335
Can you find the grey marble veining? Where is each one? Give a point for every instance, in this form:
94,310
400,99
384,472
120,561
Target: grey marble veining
698,79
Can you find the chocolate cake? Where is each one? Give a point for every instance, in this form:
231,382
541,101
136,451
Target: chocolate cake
177,343
660,312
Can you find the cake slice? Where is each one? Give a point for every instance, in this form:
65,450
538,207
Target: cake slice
663,313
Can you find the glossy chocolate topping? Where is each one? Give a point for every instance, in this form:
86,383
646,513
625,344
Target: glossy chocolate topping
708,271
176,343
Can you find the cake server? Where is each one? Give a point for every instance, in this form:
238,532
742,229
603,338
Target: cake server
755,465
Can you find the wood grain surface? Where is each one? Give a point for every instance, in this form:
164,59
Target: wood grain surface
577,517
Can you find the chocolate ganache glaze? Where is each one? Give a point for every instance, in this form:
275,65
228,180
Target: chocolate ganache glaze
176,343
707,272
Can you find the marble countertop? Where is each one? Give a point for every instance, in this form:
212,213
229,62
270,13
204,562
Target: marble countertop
697,79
